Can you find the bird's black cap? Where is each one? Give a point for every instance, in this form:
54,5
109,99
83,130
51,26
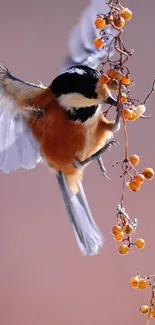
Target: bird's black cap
77,79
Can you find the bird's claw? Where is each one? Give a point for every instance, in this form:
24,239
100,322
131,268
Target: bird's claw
102,168
107,147
96,156
106,176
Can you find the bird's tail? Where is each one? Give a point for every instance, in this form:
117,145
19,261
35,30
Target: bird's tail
88,235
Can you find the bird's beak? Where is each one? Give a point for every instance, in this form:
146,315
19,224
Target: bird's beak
111,101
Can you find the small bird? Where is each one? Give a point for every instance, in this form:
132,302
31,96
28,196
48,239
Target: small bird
63,126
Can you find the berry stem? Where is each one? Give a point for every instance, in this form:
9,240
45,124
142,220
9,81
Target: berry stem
123,191
126,139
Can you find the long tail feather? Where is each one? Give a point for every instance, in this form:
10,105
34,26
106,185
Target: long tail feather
88,235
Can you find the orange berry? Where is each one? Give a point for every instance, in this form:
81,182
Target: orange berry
118,75
126,113
143,284
144,309
119,237
134,159
126,80
113,84
119,22
123,249
100,22
139,178
134,186
126,14
103,79
134,282
110,73
133,116
152,313
116,230
140,243
148,173
128,229
123,98
98,43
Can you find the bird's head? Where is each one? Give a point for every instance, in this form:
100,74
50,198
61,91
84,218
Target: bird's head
79,87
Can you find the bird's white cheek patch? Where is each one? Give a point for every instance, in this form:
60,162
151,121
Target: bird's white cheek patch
77,100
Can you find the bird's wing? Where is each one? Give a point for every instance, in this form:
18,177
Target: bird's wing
18,147
80,42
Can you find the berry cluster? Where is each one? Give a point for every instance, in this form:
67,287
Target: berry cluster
116,17
143,283
138,282
113,78
138,179
123,231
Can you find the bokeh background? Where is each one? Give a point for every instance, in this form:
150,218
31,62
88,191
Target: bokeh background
44,279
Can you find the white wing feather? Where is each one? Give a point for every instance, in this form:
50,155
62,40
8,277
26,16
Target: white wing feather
80,43
18,147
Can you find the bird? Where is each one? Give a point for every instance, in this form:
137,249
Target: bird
63,126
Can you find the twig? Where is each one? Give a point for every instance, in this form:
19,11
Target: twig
150,93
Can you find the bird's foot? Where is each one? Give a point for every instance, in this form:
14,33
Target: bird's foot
96,156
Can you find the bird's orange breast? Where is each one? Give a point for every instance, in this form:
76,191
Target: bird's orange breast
60,138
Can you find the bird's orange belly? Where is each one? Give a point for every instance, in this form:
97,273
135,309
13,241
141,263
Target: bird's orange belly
61,142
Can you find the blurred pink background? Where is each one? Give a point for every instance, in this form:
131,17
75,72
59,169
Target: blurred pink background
44,279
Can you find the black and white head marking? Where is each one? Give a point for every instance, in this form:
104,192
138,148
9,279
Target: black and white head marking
76,87
79,92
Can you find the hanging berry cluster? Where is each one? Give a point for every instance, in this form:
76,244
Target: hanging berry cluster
143,283
116,76
124,230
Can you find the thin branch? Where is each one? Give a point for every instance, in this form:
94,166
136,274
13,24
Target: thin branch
150,93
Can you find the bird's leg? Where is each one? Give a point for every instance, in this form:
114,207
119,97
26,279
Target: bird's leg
107,147
116,124
97,156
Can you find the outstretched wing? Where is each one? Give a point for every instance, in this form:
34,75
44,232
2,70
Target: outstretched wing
18,148
80,43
